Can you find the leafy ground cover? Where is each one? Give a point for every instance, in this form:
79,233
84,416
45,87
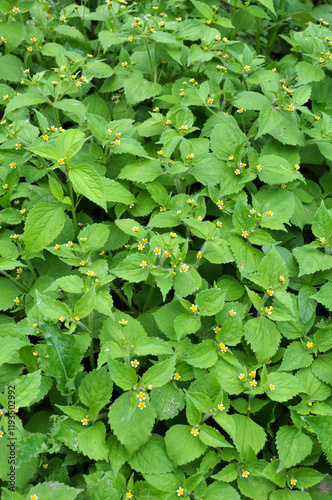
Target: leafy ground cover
165,250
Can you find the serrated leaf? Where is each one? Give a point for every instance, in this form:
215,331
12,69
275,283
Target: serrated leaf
263,336
88,182
182,446
159,374
293,446
44,222
91,442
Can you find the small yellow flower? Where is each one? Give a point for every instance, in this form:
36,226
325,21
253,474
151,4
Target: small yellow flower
290,107
91,273
172,235
124,64
246,68
160,152
83,240
17,300
310,345
177,376
221,407
70,244
199,255
281,278
130,38
223,347
144,241
253,383
57,246
218,223
267,361
140,246
245,474
269,213
135,229
157,251
35,325
220,204
134,363
84,421
242,376
168,122
128,494
141,395
1,434
184,127
123,322
270,292
167,254
317,117
82,263
117,142
53,128
322,240
33,497
141,405
15,409
193,308
243,165
293,481
194,432
244,234
3,39
35,353
178,19
237,171
62,18
61,129
259,168
12,164
232,313
61,161
271,386
45,466
268,310
18,146
252,374
240,110
184,268
217,329
274,70
16,10
77,318
143,263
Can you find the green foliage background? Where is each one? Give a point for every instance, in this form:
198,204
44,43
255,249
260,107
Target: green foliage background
165,249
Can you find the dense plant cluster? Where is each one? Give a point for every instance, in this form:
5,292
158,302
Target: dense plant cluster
165,250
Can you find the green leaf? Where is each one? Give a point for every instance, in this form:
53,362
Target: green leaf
44,223
276,170
185,324
305,476
287,494
131,270
249,435
293,446
311,260
322,222
104,303
225,139
69,31
96,390
53,491
210,302
159,374
60,359
307,305
322,367
91,442
143,171
285,386
70,142
221,491
324,296
210,436
263,336
138,89
88,182
322,426
152,458
182,446
10,346
202,355
122,375
22,100
131,425
10,68
27,388
74,109
114,191
86,304
187,283
250,100
307,73
296,356
268,4
50,308
9,291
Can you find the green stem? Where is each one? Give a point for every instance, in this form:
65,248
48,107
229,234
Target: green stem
258,35
123,298
31,269
73,209
92,359
275,31
177,185
14,281
155,63
149,57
